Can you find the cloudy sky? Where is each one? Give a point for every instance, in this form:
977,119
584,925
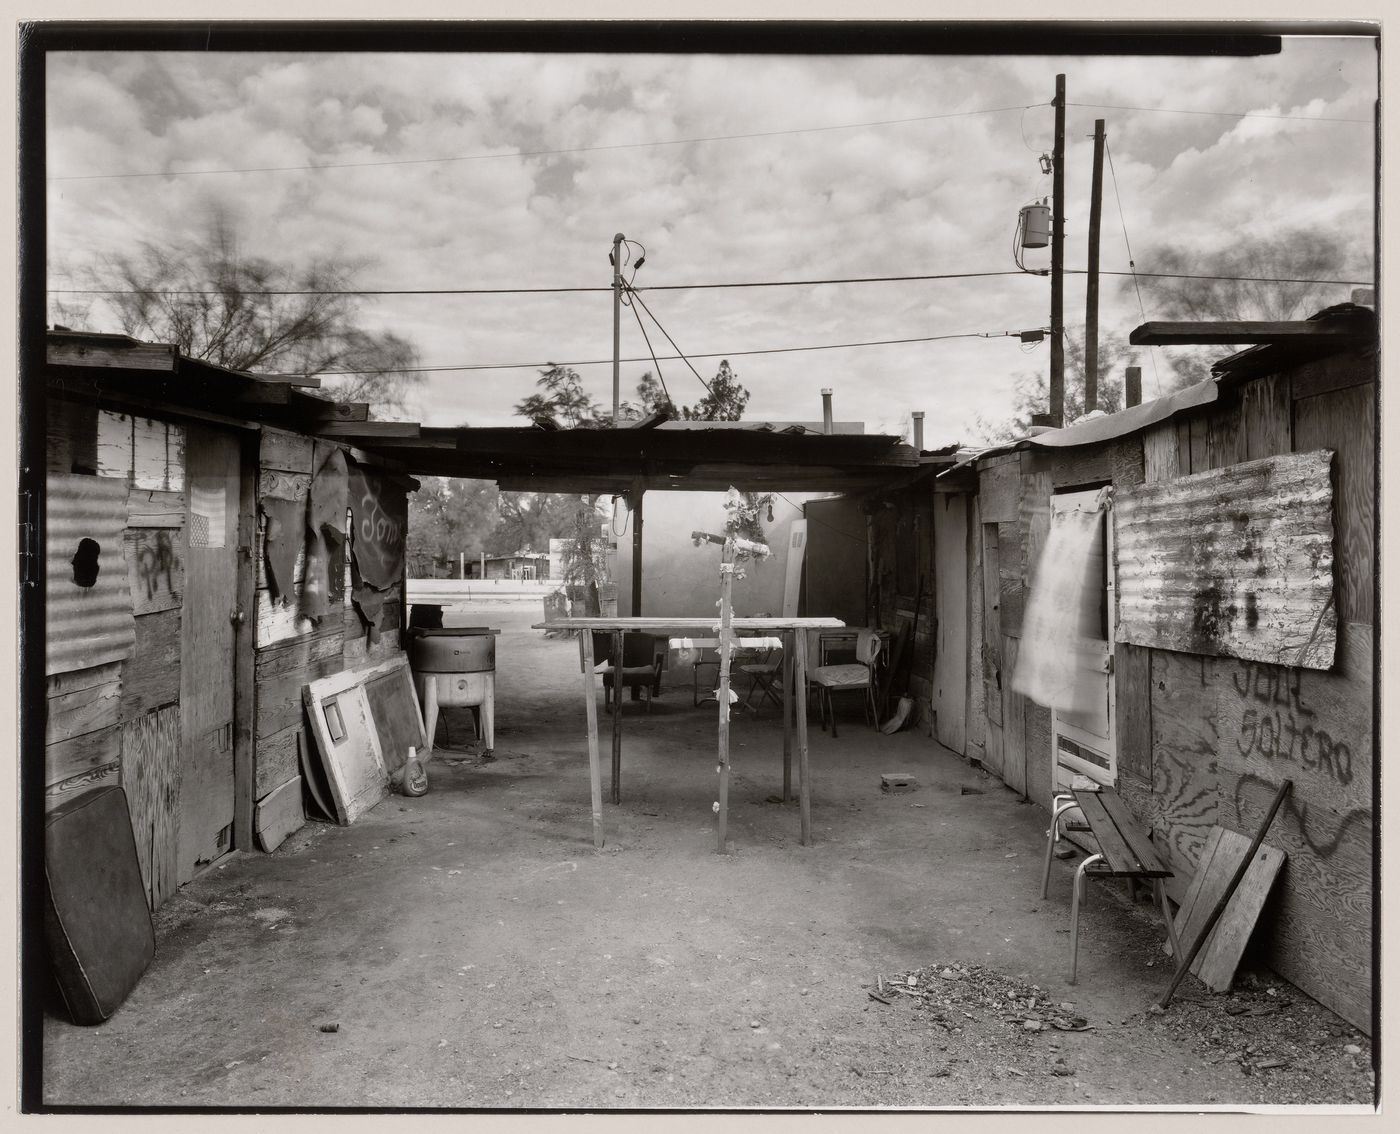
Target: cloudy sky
514,172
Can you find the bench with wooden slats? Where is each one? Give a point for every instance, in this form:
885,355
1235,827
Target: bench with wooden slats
1124,852
1125,848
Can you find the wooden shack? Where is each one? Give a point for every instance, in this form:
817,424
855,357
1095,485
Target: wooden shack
196,577
1239,622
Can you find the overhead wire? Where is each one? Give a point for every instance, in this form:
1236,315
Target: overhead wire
738,285
679,356
1113,174
1221,113
543,153
652,351
680,353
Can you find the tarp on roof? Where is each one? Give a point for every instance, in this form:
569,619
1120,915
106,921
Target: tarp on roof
1120,424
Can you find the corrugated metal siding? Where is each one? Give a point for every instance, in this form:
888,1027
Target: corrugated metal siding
92,625
1236,561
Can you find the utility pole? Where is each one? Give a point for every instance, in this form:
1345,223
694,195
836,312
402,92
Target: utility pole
1057,265
617,327
1091,288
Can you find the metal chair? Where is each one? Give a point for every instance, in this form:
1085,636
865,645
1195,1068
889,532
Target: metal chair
846,677
763,676
640,670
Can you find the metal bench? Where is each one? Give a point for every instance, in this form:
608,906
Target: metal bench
1124,852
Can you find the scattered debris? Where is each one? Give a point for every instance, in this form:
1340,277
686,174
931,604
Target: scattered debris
330,1027
894,782
881,999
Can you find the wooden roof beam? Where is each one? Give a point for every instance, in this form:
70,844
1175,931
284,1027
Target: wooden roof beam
1249,332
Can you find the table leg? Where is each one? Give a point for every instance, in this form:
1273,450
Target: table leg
488,715
617,718
590,703
788,640
430,715
804,785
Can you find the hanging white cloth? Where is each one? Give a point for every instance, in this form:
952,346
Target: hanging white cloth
1061,650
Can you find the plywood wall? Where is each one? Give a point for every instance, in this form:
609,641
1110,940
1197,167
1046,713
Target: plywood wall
1206,740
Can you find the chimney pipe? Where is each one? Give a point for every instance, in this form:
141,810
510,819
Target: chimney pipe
826,409
919,430
1132,386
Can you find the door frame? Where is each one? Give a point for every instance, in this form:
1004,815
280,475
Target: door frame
1063,761
244,658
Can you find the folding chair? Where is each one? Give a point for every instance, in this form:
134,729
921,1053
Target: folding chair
847,677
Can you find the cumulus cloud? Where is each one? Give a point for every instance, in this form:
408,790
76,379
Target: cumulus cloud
817,196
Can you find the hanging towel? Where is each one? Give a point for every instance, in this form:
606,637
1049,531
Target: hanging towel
1058,647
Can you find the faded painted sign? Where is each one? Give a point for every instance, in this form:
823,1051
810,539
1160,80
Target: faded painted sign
1232,562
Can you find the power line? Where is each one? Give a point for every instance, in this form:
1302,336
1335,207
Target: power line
1113,173
681,287
542,153
670,357
1222,113
680,354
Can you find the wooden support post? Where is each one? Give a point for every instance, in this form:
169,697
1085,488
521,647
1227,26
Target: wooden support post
789,641
590,701
637,493
617,717
1132,387
799,679
726,648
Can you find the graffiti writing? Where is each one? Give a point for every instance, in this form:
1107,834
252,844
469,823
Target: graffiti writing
1277,736
1279,725
155,564
1322,846
1271,685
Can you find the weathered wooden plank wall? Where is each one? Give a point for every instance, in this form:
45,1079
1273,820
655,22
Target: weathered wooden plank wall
975,714
950,518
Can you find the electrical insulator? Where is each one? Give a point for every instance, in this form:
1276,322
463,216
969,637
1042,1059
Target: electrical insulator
1035,225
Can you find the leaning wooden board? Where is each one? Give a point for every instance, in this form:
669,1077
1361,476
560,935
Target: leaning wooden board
344,730
1215,964
364,721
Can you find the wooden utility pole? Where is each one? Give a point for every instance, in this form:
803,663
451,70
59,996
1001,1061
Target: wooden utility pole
1091,288
617,329
1057,264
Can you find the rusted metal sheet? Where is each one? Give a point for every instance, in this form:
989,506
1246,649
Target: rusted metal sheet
88,611
1232,562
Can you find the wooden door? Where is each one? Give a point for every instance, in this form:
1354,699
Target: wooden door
207,655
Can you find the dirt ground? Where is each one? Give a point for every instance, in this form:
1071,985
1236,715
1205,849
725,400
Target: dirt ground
470,948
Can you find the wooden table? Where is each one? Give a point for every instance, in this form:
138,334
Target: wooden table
791,630
1124,852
